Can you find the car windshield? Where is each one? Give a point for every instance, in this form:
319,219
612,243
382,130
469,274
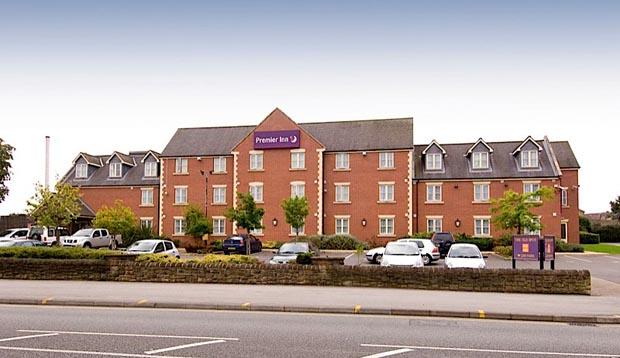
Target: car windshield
401,249
36,230
142,246
6,232
294,248
84,232
442,237
464,252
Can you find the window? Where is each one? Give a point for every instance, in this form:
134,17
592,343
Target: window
298,189
259,231
116,170
433,193
298,159
256,189
256,160
179,226
531,188
480,160
386,160
342,192
527,231
482,226
168,245
386,226
481,192
529,159
301,230
219,165
146,223
342,161
219,226
180,195
433,161
219,194
564,231
147,197
81,171
342,225
434,224
150,169
564,197
181,166
386,192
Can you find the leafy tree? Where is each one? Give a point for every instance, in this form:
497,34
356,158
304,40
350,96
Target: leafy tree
585,224
513,212
615,208
197,223
118,220
6,155
246,215
55,209
295,210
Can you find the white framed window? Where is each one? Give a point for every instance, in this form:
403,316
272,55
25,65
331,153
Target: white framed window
256,190
146,223
147,197
219,194
482,226
480,160
256,160
219,165
116,170
298,189
386,160
301,230
180,194
342,192
150,169
564,197
527,231
259,231
481,192
81,171
342,161
531,187
179,225
434,223
386,225
342,225
181,166
386,192
219,226
433,193
564,230
433,161
529,158
298,159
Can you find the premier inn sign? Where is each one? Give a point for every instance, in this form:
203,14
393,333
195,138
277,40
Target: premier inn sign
277,139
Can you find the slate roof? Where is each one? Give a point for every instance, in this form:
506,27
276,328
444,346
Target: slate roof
90,159
564,154
133,176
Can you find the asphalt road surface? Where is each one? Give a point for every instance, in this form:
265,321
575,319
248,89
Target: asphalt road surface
28,331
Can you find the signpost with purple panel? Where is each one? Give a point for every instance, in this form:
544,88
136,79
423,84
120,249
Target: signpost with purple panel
524,248
277,139
550,250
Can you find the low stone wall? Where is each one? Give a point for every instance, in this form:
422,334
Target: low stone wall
125,269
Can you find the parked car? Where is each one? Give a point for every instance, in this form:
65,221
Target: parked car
443,240
464,256
47,235
20,243
429,251
164,247
14,234
92,238
288,252
402,254
236,244
375,255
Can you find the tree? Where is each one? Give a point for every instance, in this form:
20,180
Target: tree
118,220
513,212
197,223
246,215
55,209
615,208
6,155
295,211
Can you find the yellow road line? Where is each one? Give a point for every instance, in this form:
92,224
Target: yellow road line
142,301
245,305
357,308
46,300
481,314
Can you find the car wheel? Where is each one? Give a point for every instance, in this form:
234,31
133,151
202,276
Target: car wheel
378,258
178,257
55,243
426,259
113,245
87,245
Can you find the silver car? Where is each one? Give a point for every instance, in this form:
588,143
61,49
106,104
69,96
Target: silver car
289,251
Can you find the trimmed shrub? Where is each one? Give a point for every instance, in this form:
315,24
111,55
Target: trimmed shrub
207,259
585,224
607,233
589,238
422,235
217,245
304,259
60,253
483,243
505,251
272,244
504,240
334,242
561,246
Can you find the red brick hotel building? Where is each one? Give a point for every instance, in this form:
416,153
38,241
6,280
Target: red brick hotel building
364,178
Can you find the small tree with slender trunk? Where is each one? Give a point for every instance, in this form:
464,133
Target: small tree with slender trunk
55,209
295,210
246,215
513,211
118,220
6,155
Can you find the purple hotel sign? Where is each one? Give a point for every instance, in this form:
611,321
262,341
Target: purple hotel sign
277,139
525,247
549,248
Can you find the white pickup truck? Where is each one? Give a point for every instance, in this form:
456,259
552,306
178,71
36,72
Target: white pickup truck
92,238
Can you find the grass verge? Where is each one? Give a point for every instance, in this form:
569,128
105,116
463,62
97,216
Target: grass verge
604,248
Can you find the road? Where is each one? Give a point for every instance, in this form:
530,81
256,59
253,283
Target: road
54,332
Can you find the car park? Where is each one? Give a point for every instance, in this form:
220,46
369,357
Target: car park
429,251
20,243
464,256
443,240
14,234
236,244
48,235
402,254
288,252
92,238
163,247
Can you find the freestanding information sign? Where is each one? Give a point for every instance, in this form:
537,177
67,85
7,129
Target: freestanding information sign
550,250
533,248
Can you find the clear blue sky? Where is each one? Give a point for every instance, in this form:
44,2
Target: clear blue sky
100,76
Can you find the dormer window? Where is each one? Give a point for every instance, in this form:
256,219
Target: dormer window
529,158
81,171
433,161
116,170
480,160
150,169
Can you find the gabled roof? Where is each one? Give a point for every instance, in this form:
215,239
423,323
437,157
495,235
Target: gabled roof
152,153
90,159
564,155
528,139
132,176
124,158
434,143
479,141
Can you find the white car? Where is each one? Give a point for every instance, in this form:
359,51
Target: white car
92,238
430,252
375,255
47,235
403,254
14,234
464,256
164,247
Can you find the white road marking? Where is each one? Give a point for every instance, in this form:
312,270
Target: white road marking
482,350
353,254
184,346
389,353
126,334
612,258
66,351
25,337
578,259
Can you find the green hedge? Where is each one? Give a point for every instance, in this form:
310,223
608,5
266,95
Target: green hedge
334,242
589,238
304,259
483,243
608,233
61,253
207,259
561,246
505,251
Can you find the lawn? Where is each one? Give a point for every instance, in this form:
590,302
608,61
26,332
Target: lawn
606,248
